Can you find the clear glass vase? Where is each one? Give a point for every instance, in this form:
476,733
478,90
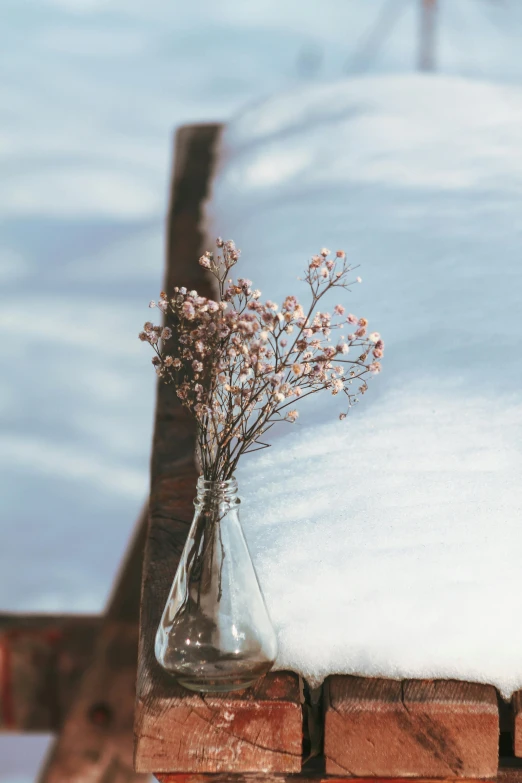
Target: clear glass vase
215,633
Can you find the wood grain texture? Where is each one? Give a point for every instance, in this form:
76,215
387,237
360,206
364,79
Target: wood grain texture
432,729
42,660
96,741
175,730
517,723
258,729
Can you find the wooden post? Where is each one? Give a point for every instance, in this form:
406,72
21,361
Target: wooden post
257,730
428,14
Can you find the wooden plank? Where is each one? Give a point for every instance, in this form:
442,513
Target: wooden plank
388,728
42,659
517,723
507,775
258,729
96,740
255,730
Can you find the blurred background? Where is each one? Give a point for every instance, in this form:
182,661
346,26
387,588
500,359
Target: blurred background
90,93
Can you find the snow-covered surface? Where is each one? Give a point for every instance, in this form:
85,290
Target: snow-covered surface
390,543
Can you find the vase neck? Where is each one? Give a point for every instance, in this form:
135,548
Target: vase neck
216,492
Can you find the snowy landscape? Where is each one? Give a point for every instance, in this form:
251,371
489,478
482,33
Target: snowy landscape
406,543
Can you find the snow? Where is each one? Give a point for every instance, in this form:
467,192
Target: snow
390,544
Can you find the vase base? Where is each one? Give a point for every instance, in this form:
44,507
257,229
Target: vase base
216,687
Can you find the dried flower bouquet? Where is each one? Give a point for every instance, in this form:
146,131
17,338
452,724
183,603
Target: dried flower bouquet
241,365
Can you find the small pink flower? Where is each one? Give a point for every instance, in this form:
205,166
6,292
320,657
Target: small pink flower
166,333
337,386
188,310
197,366
292,416
339,309
351,318
340,254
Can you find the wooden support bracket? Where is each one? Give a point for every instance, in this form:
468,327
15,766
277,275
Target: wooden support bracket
42,660
95,742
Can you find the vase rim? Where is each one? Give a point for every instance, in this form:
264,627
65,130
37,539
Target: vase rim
204,483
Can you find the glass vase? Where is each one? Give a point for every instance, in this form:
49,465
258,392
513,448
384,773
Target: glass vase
215,633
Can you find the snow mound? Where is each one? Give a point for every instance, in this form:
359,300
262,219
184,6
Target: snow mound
390,544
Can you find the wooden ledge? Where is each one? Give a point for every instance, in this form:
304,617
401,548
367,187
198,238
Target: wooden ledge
255,730
430,729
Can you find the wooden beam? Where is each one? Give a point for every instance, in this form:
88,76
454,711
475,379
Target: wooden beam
255,730
258,729
96,740
42,660
507,775
432,729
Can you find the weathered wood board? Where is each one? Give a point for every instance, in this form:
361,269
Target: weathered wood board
507,775
433,729
256,730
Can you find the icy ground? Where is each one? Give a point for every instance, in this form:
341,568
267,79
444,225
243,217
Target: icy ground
390,543
90,93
